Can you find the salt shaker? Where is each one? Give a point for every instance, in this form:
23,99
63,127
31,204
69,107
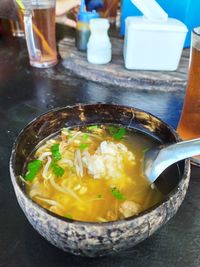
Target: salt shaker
99,48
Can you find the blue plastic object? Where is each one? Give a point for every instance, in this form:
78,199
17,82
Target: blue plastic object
186,11
86,16
94,4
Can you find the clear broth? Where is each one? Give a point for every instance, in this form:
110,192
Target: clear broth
122,191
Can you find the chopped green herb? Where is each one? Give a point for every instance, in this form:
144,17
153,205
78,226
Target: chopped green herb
112,130
85,137
83,146
120,134
93,127
99,196
116,193
117,134
33,168
145,150
68,216
58,171
55,152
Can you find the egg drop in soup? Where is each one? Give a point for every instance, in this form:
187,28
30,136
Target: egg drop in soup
91,173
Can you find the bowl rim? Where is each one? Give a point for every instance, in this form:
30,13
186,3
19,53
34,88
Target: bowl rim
165,199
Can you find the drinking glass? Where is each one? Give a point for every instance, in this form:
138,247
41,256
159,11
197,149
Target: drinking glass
39,24
17,27
189,124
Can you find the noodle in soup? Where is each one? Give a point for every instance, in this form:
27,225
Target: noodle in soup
91,173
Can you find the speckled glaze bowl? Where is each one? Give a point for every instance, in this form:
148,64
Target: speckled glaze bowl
98,239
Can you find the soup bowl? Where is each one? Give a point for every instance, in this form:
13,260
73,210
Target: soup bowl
98,238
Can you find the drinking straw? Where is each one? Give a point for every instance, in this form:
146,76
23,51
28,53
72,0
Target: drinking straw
21,18
46,46
21,6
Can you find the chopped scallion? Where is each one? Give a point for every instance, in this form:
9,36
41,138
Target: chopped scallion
92,127
116,193
85,137
57,170
33,168
117,134
56,152
83,146
112,130
68,216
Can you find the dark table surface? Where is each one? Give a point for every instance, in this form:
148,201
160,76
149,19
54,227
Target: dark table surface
26,92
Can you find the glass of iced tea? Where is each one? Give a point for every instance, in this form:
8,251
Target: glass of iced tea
39,24
189,124
17,27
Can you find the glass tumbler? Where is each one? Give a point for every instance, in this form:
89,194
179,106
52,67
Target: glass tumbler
17,27
189,124
39,24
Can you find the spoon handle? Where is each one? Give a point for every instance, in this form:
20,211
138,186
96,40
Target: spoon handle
166,156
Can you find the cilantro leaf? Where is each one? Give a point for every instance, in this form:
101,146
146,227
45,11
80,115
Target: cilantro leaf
68,216
92,127
85,137
120,134
117,134
116,193
83,146
55,152
112,130
33,168
57,170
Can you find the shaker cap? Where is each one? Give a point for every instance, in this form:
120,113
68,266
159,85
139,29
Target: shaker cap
86,16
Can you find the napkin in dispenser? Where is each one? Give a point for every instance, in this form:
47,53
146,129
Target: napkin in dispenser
153,41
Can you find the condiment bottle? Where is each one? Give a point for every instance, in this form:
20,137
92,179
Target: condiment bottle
99,48
83,28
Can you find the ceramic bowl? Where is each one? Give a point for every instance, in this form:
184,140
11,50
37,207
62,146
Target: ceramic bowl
98,239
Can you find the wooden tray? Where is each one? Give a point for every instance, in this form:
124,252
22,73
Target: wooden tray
115,73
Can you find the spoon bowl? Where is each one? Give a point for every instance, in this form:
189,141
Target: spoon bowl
157,159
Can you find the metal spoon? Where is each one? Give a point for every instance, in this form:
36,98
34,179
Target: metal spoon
157,159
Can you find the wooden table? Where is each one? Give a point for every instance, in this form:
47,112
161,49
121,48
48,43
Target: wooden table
26,92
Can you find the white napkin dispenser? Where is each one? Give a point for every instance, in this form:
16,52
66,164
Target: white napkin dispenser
153,45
